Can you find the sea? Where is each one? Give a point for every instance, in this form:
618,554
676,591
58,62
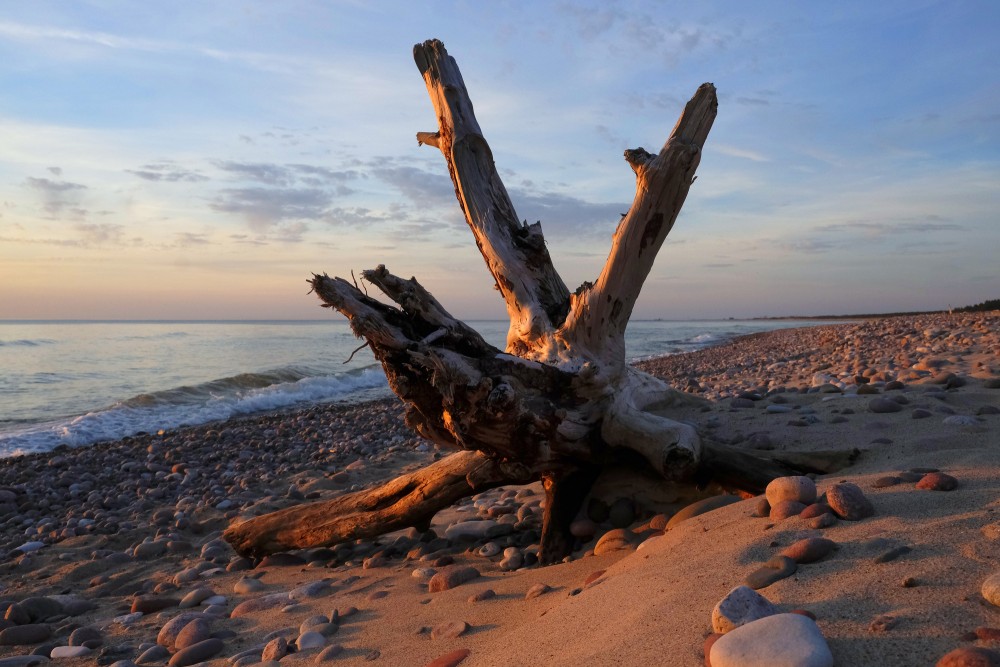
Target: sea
76,383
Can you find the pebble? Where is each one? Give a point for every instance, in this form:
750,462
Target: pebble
259,604
809,550
786,640
886,481
884,405
310,639
195,597
168,633
152,604
583,529
19,635
966,423
329,653
937,481
70,651
775,569
786,509
970,657
615,540
451,577
275,649
22,660
200,652
893,554
990,590
197,630
449,630
740,606
487,594
849,502
537,590
451,659
153,655
814,510
469,530
796,488
701,507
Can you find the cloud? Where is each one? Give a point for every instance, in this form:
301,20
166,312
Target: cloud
100,234
733,151
167,172
57,196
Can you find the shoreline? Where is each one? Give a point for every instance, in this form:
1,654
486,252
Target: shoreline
119,533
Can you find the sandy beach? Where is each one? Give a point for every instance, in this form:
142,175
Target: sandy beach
111,554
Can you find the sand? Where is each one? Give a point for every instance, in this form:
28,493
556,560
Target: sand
651,605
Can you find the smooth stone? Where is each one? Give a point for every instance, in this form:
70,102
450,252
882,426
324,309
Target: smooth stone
848,502
781,640
701,507
798,488
886,481
615,540
151,604
786,509
200,652
583,529
814,510
937,481
329,653
259,604
423,573
197,630
884,405
969,657
310,639
451,659
281,559
85,634
314,589
822,521
489,550
469,530
990,590
740,606
22,660
20,635
966,423
451,577
195,597
153,655
487,594
168,633
275,649
778,409
920,413
70,651
773,570
449,630
809,550
537,590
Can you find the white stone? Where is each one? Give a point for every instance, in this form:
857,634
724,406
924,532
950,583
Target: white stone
69,651
782,640
28,547
310,639
741,605
472,530
991,589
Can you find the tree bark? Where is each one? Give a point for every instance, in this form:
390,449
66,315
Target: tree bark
559,403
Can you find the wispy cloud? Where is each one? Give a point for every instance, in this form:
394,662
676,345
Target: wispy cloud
57,196
733,151
167,172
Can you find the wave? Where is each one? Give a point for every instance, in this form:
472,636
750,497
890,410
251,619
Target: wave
218,400
27,342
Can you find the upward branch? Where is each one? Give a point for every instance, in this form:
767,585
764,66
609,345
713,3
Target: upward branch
536,297
600,313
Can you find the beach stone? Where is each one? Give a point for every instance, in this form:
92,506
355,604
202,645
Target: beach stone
195,597
884,405
152,604
40,607
22,660
701,507
168,633
781,640
489,550
762,508
970,657
814,510
449,630
153,655
990,590
70,651
275,649
281,559
310,639
809,550
786,509
992,383
740,606
621,513
451,659
920,413
314,589
200,652
614,540
966,423
886,481
148,550
848,502
798,488
487,594
259,604
583,529
988,634
329,653
937,481
91,637
659,522
537,590
469,530
773,570
988,410
20,635
198,630
451,577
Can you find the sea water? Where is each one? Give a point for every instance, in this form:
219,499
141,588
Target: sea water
77,383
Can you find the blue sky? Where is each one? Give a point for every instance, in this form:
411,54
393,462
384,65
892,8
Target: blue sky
200,160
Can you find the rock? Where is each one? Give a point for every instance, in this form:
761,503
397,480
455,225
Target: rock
449,630
153,655
822,521
195,597
149,604
583,529
614,540
701,507
20,635
469,530
937,481
786,509
276,649
314,589
22,660
259,604
798,488
659,522
788,640
451,577
168,633
70,652
200,652
487,594
970,657
893,554
848,502
450,659
814,510
621,513
773,570
990,590
310,639
966,423
329,653
920,413
194,632
809,550
537,590
740,606
90,637
884,405
762,508
886,481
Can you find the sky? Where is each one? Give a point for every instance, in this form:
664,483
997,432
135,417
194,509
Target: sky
200,160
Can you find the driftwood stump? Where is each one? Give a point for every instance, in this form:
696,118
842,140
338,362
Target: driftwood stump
559,403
